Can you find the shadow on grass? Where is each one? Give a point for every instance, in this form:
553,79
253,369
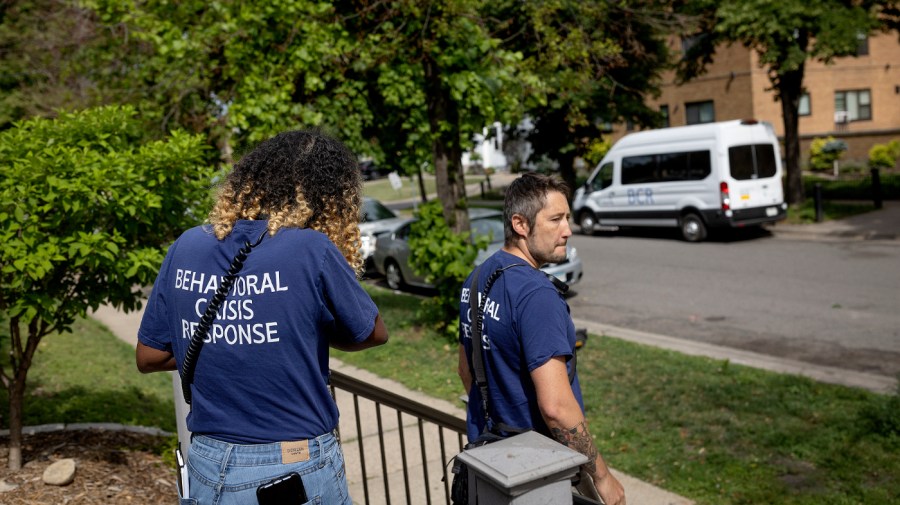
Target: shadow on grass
77,404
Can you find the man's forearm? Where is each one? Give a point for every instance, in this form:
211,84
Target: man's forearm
579,439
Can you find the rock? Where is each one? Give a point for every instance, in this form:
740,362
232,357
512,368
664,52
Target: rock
61,473
5,486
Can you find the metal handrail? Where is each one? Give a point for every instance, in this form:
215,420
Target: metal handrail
395,401
402,405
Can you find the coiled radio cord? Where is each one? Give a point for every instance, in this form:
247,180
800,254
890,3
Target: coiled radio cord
199,335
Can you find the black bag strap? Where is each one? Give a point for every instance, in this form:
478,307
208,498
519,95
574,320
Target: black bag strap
478,350
197,338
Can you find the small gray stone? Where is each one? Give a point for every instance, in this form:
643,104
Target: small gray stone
5,486
61,473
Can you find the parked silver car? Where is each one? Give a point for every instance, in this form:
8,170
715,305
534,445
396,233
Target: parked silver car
391,256
374,218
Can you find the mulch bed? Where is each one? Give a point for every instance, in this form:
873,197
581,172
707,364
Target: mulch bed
111,467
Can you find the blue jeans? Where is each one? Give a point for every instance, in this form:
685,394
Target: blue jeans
228,474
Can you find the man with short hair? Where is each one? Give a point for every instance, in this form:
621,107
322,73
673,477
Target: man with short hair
528,337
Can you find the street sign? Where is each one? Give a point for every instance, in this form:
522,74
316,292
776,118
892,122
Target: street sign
396,183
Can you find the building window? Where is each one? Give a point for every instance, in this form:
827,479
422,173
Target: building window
700,112
688,43
664,112
855,105
804,109
863,48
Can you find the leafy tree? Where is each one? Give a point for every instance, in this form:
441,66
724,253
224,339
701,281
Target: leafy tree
595,61
241,71
785,34
53,54
86,208
436,64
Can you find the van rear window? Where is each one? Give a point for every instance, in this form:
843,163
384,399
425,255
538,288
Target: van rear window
753,161
666,167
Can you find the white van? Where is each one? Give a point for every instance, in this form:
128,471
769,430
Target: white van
693,177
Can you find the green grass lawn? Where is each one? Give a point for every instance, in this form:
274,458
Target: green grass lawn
380,189
711,431
89,376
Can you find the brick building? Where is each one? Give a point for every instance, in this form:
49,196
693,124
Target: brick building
854,99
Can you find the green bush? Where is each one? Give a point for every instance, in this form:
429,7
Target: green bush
853,188
445,259
596,150
823,152
884,155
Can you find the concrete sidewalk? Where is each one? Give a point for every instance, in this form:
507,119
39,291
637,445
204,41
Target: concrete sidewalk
882,225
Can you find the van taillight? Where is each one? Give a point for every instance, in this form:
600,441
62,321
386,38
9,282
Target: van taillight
726,197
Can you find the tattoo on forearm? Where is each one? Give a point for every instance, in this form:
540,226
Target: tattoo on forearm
578,438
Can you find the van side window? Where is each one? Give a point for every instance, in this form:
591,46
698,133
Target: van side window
604,177
752,161
666,167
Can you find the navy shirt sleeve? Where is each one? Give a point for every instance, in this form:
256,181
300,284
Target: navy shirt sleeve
154,330
542,320
352,309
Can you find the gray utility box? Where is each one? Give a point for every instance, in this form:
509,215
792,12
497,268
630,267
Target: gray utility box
523,470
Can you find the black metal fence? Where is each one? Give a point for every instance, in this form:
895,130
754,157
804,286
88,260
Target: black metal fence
397,450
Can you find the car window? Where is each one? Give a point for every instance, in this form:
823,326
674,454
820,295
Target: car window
752,161
604,177
373,210
666,167
491,226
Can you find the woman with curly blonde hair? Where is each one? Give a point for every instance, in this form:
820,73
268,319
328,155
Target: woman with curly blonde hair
261,407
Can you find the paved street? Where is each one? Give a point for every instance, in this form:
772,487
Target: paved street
831,303
818,299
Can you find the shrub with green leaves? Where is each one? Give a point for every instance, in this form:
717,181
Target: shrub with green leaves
445,259
87,207
824,151
884,155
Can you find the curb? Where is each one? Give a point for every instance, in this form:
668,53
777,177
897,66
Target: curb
55,427
876,383
799,232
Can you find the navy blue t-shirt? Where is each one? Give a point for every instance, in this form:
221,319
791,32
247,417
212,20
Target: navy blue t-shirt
262,374
526,323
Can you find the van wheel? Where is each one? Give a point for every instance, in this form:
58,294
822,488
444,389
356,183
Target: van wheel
393,276
692,228
587,222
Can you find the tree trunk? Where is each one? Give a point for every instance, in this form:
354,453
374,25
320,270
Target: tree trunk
567,170
443,120
16,398
422,193
21,360
790,89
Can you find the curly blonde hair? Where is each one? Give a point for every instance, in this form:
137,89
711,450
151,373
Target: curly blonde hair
301,179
